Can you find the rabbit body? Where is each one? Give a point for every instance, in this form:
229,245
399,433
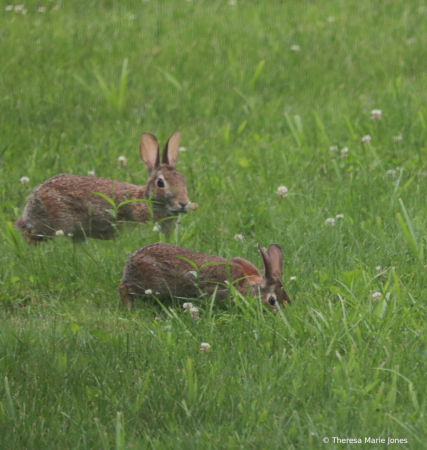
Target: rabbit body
159,268
68,203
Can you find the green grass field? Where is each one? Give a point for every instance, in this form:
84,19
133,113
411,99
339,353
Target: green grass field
261,91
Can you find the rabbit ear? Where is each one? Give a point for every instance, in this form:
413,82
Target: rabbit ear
170,152
266,263
276,259
272,261
149,151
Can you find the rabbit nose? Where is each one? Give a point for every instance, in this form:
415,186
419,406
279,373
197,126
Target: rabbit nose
183,205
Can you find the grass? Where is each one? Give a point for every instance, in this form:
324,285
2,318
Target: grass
79,85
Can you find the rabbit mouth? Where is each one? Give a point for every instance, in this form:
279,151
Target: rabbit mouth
176,212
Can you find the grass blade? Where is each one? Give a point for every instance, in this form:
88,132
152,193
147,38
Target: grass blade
257,73
172,80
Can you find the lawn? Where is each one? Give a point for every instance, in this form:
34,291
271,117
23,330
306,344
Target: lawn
266,94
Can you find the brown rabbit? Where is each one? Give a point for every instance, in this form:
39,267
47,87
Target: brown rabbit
159,268
67,203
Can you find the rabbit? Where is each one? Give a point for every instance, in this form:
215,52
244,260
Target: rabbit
159,269
67,202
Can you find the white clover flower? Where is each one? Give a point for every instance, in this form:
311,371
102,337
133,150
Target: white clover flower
295,48
194,313
19,8
148,292
344,152
239,237
376,296
59,233
205,347
391,173
232,2
330,222
293,278
8,8
25,181
366,139
282,191
91,173
156,228
42,9
333,148
339,216
398,137
193,207
182,149
122,161
376,114
157,319
187,306
378,269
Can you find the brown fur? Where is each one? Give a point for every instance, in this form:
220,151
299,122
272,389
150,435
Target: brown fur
158,267
67,202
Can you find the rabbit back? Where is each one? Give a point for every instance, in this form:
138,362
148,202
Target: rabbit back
67,203
160,269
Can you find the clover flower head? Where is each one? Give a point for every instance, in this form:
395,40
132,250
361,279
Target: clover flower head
25,181
194,313
376,296
376,114
330,222
205,347
282,191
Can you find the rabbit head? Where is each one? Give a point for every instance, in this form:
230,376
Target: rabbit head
165,185
270,287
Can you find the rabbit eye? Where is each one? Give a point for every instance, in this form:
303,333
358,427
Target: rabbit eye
160,183
271,300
